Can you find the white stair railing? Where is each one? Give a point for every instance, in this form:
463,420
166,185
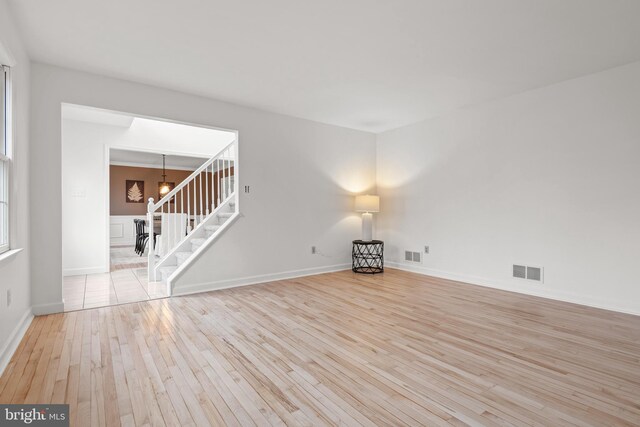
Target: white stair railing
194,200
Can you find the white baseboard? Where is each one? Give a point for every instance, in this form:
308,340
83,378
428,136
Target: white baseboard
122,242
253,280
14,339
83,271
52,308
614,305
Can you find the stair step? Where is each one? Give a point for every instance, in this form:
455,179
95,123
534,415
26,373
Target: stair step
223,216
182,257
167,271
196,243
210,229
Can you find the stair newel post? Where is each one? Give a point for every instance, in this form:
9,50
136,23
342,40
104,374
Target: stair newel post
152,256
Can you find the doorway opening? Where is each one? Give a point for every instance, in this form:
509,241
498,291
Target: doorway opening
112,163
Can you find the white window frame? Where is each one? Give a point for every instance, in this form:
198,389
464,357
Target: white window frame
5,157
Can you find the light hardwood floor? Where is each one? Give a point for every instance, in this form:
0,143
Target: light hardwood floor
391,349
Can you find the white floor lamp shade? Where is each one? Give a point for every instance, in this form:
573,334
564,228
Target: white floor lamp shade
367,204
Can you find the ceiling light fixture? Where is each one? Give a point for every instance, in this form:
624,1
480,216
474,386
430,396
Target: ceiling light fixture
164,187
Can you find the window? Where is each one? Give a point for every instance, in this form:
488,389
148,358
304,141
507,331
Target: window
5,160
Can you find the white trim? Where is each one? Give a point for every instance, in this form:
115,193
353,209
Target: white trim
52,308
254,280
236,173
9,254
14,339
8,157
153,150
83,270
143,165
120,227
627,307
107,208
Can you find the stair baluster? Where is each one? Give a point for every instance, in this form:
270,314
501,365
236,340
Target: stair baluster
206,214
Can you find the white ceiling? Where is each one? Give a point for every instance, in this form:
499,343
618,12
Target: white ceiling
153,160
370,65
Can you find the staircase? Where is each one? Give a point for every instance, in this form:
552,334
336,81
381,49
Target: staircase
192,216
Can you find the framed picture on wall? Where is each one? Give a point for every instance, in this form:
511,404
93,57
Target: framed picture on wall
134,191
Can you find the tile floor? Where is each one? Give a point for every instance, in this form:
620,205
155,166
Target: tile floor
126,283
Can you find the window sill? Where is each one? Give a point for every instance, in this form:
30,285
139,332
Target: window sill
9,254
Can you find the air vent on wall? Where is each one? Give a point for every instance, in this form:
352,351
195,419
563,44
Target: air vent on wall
413,257
526,272
520,271
534,273
408,256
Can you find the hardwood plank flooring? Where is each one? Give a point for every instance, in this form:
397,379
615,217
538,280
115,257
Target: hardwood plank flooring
335,349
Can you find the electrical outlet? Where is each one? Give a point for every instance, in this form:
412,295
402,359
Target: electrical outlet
426,249
313,250
8,297
247,189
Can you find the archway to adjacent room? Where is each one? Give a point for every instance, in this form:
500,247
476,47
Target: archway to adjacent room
112,163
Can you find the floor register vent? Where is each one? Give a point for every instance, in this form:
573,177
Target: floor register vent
526,272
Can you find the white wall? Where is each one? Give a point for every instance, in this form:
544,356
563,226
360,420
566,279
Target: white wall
302,175
14,273
85,177
546,178
84,198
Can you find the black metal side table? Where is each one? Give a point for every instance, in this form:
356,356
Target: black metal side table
367,256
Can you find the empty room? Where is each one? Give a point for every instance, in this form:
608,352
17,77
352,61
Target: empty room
358,213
